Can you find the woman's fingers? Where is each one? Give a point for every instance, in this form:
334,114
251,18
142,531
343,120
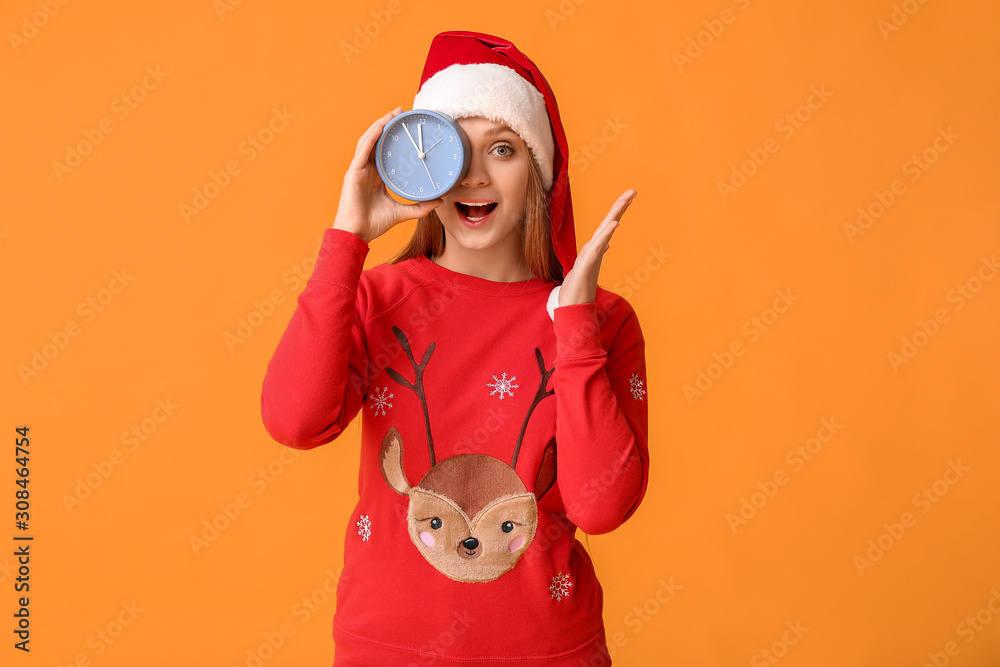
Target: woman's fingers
366,143
600,242
620,205
611,222
580,285
416,211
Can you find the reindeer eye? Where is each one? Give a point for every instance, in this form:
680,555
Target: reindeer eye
435,523
507,526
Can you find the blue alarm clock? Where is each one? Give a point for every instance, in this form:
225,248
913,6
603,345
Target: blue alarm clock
422,154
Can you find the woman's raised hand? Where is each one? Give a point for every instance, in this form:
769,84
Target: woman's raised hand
580,284
365,207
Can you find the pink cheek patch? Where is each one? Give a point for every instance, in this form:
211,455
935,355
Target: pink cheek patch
516,544
426,538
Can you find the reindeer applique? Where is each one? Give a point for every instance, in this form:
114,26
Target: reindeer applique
470,516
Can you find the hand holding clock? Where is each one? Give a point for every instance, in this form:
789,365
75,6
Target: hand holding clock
365,207
580,284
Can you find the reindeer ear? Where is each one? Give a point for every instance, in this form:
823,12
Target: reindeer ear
390,461
547,471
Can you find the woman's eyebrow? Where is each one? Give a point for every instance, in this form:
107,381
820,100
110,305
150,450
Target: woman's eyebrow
499,129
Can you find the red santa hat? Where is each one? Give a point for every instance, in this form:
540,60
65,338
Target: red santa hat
475,74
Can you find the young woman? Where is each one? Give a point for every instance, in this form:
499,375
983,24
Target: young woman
503,390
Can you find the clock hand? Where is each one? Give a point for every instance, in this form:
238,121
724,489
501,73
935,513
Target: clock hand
424,162
420,135
432,146
420,153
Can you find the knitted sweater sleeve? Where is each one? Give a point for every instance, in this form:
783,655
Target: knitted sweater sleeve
602,455
317,380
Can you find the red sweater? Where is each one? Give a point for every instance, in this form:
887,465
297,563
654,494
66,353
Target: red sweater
493,427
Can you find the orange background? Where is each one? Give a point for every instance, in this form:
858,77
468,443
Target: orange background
673,132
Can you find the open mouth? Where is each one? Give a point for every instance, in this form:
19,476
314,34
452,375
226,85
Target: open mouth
475,211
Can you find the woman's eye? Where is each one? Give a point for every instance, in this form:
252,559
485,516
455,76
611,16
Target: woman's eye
435,523
509,150
507,526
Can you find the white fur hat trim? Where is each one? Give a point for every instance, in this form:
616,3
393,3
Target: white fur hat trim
498,93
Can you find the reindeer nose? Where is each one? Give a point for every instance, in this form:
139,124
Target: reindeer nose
470,543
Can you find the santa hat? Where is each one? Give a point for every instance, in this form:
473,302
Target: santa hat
475,74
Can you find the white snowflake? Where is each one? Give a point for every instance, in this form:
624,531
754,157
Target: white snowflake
365,527
502,385
560,586
637,391
380,401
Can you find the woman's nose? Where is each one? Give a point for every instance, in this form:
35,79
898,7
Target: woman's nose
476,175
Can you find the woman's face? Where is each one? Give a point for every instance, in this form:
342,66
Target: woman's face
498,177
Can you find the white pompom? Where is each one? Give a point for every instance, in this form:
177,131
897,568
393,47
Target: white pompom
553,302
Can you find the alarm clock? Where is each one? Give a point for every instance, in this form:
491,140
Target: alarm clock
422,154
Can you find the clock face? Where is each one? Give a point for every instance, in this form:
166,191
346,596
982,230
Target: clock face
422,154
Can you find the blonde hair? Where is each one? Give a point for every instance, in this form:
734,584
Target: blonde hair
536,239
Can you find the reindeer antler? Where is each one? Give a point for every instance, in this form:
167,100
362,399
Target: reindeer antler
539,395
418,385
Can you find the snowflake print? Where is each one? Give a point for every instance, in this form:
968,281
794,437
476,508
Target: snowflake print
637,391
365,527
560,586
380,401
502,385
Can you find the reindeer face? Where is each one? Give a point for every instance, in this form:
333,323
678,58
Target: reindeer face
478,549
470,545
470,515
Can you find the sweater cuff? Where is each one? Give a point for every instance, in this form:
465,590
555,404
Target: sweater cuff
341,258
578,333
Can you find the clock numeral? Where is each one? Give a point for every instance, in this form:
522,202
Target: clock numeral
421,188
392,171
437,185
451,138
454,156
395,137
388,153
451,173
